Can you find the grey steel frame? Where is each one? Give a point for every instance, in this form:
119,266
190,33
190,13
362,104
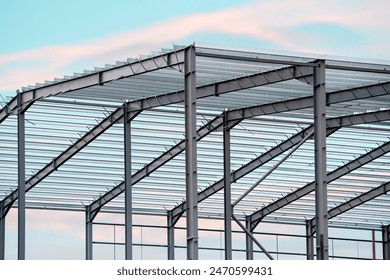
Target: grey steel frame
312,73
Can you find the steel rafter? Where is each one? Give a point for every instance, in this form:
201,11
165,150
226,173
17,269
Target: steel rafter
307,102
356,201
227,86
170,59
289,62
332,125
340,209
257,216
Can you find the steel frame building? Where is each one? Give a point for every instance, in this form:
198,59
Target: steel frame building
205,132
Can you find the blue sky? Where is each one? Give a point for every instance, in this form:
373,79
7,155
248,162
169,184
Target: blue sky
41,40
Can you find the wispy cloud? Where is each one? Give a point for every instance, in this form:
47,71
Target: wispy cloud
273,21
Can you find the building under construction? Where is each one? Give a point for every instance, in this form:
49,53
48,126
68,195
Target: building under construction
273,155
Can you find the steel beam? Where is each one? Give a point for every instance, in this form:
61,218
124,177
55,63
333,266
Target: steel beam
191,153
255,59
21,181
228,209
171,236
248,240
335,174
364,118
386,242
356,201
342,208
88,234
226,86
128,187
359,200
309,240
307,102
290,62
170,59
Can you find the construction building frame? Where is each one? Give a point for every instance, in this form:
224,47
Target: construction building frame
239,136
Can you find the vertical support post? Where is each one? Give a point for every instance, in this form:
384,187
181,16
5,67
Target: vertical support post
228,209
320,161
88,234
386,242
309,240
21,181
2,231
191,153
171,236
248,240
128,187
373,245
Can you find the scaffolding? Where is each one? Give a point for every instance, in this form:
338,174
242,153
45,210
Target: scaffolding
239,137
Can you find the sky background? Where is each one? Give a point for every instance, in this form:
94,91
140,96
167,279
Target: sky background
41,40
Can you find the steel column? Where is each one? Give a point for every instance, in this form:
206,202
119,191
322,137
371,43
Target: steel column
248,240
21,181
386,242
128,187
373,245
228,209
191,153
309,240
2,232
88,234
320,161
171,236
